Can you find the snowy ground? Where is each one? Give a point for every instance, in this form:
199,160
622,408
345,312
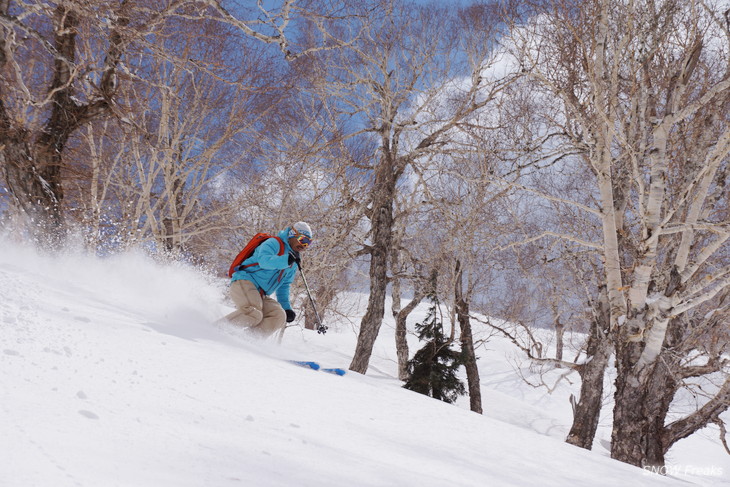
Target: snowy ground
111,374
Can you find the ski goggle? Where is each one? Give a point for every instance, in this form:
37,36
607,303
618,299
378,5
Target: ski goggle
303,239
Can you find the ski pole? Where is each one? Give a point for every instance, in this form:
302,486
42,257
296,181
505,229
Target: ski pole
321,328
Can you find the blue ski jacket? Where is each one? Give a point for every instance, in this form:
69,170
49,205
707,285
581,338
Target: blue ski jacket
269,271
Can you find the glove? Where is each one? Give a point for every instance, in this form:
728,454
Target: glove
322,329
294,257
290,315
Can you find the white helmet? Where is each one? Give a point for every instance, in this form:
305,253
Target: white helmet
300,228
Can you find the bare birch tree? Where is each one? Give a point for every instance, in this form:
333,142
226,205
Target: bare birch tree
400,88
48,92
51,87
644,94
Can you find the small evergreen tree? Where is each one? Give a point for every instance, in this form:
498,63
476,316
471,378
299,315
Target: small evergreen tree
432,369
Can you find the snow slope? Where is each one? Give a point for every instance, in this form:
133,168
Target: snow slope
112,374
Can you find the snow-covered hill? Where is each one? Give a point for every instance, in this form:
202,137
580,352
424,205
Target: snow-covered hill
112,374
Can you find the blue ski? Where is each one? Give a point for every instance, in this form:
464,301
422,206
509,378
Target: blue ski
316,366
334,371
304,363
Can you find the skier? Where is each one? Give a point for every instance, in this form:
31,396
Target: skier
270,269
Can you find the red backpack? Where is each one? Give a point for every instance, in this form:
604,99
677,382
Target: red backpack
248,250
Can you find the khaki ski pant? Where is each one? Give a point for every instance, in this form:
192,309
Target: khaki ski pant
262,314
